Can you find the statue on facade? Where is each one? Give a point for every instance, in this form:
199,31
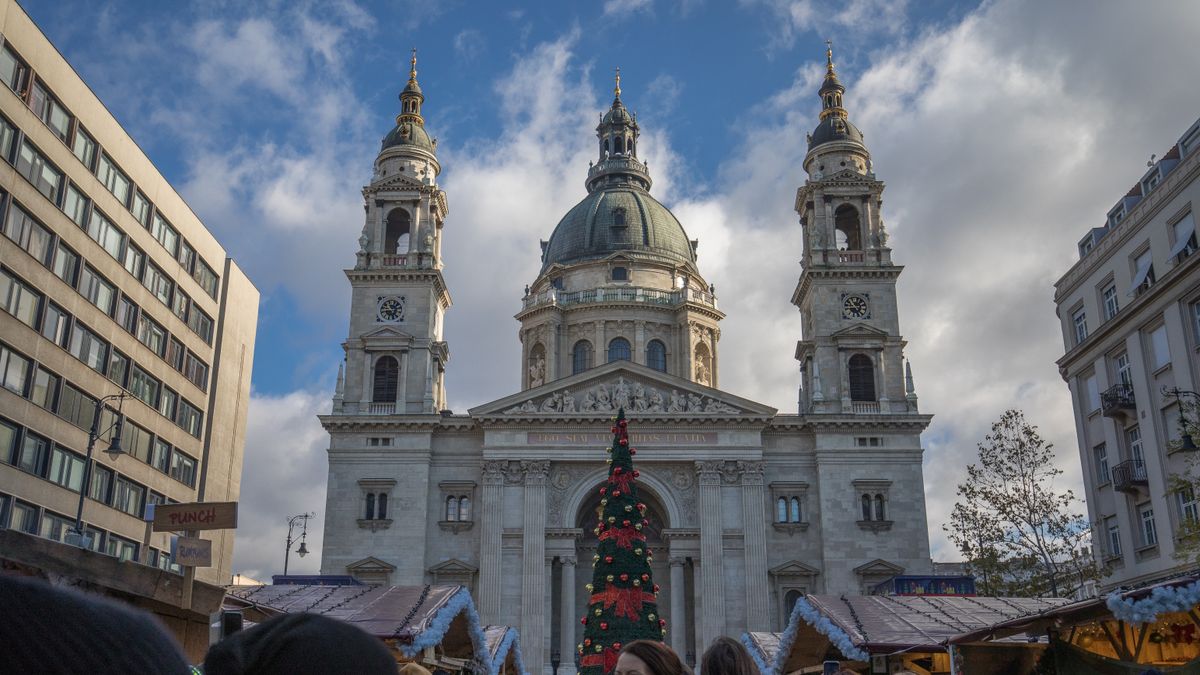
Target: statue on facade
589,403
621,393
553,403
537,372
678,403
639,397
655,403
568,402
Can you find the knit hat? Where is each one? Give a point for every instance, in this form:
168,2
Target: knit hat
52,630
300,644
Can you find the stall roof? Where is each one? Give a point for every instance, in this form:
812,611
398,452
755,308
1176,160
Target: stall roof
860,625
502,641
414,617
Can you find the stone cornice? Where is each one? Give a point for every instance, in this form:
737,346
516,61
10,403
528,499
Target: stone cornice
819,422
394,274
404,422
805,282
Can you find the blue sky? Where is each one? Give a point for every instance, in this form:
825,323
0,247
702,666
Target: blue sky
1003,130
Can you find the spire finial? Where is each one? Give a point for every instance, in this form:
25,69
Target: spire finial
617,88
412,67
829,56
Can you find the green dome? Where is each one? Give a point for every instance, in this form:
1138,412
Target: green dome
591,231
407,133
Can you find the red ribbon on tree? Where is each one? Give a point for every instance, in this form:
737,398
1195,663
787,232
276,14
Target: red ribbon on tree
606,659
621,480
625,537
628,601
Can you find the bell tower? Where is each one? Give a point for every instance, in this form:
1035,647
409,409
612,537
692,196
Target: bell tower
851,357
395,354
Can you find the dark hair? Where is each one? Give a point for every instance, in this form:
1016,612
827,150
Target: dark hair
727,656
659,658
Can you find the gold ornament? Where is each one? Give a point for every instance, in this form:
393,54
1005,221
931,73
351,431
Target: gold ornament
608,578
628,508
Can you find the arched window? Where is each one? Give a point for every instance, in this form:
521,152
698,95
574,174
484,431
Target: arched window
387,377
862,378
618,350
581,356
381,511
395,239
370,515
620,274
618,217
790,601
451,508
620,145
656,356
866,507
880,513
781,511
849,231
464,508
828,101
606,146
795,514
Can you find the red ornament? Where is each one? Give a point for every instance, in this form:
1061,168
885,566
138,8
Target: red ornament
633,451
603,625
623,424
614,430
583,621
641,506
645,577
624,441
624,577
587,642
636,473
662,622
655,588
616,645
617,470
603,490
608,559
616,493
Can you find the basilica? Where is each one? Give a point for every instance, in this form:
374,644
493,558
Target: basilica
749,507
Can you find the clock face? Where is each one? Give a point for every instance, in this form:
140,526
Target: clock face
855,307
391,308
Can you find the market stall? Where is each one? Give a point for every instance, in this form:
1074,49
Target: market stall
436,626
882,634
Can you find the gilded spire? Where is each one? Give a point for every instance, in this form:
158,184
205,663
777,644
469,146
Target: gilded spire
828,59
411,98
617,87
412,67
831,90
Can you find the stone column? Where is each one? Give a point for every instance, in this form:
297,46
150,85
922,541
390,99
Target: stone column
677,623
711,552
600,355
883,381
714,334
567,619
697,608
639,342
490,506
534,583
844,379
548,614
754,527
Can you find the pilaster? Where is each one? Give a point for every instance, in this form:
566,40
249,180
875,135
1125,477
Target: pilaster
490,507
711,551
533,563
754,528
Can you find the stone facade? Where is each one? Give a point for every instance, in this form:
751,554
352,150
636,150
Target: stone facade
1130,315
750,507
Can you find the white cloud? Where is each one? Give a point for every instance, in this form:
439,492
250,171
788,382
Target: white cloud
469,44
625,8
664,92
856,20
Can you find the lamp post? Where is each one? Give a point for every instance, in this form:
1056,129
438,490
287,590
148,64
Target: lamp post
1178,394
292,521
78,538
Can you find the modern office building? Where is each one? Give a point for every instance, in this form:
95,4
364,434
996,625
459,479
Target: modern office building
1130,313
109,283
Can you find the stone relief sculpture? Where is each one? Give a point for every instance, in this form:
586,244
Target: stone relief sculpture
633,396
537,372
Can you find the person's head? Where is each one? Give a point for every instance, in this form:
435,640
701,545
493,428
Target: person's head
296,644
412,668
727,656
66,631
649,657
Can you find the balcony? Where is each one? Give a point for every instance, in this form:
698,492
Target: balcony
381,409
1130,475
394,261
1118,401
864,407
623,294
850,256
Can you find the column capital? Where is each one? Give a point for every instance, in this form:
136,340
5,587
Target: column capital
493,472
536,471
567,561
677,561
752,472
709,471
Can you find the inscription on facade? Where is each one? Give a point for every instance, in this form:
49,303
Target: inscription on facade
601,439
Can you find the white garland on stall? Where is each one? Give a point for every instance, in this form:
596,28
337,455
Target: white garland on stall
824,626
512,642
459,602
756,654
1161,600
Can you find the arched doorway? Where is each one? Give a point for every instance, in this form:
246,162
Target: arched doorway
585,519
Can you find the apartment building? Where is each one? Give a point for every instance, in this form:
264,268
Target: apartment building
109,284
1130,315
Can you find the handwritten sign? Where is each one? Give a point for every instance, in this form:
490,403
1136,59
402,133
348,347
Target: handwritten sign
195,516
193,552
637,438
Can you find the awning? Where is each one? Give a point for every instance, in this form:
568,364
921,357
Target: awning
1183,236
1143,270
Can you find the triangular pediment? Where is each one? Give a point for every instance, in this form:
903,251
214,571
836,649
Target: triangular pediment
454,566
399,181
370,564
879,566
384,333
794,568
643,392
859,330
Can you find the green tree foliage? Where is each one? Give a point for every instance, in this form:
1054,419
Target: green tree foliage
623,601
1015,529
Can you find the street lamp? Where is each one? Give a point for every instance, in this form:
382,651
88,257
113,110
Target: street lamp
78,537
292,521
1177,394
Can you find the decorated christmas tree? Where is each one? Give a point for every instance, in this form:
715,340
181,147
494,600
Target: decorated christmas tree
622,604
